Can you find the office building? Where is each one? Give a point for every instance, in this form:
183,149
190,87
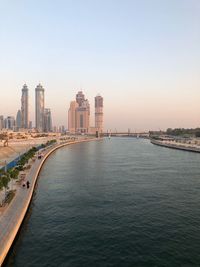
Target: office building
79,115
80,98
99,114
39,108
10,123
18,120
83,117
2,125
47,120
72,117
30,125
82,113
24,108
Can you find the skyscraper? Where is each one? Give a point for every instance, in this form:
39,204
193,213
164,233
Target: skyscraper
99,114
72,117
80,98
82,113
24,107
47,120
39,108
19,120
2,124
10,123
79,115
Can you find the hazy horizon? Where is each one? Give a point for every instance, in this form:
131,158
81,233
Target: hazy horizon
143,57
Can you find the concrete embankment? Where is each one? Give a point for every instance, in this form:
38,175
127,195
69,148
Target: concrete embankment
176,146
13,216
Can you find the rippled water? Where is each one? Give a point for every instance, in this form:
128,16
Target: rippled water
117,202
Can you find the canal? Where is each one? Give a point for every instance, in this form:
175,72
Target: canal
117,202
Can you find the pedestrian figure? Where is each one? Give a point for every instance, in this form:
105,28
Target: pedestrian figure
27,184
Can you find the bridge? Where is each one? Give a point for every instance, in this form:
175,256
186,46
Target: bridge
127,134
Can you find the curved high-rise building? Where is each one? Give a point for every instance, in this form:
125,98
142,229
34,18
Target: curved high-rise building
39,108
99,113
24,108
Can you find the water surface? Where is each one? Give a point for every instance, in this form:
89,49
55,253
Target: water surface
117,202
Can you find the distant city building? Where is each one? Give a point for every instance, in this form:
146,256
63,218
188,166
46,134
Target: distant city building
2,125
30,126
62,129
79,115
99,114
18,120
82,113
39,108
83,117
55,129
10,123
80,98
24,108
72,117
47,120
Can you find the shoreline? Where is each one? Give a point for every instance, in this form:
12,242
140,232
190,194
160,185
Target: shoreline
9,229
175,146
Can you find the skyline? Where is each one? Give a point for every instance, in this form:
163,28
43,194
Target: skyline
143,58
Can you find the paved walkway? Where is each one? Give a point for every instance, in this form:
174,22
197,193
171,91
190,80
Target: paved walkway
12,217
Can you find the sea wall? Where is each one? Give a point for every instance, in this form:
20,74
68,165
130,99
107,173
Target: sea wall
175,146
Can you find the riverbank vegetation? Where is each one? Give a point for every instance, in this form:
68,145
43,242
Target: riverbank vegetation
184,132
178,132
49,143
7,175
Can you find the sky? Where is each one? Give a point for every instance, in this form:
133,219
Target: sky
142,56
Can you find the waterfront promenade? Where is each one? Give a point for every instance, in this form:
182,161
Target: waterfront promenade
12,218
18,147
175,145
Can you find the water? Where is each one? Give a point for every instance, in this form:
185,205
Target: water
117,202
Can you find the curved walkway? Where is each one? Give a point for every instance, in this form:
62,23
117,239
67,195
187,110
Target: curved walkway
178,146
12,217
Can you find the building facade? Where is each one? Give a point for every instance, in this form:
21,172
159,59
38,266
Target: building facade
83,117
79,115
39,108
18,120
72,117
10,123
24,108
2,124
47,120
99,114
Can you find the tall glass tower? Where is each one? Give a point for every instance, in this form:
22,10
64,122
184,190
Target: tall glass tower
99,113
39,108
24,108
19,120
47,120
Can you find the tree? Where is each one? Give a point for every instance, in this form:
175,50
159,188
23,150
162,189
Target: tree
197,134
5,179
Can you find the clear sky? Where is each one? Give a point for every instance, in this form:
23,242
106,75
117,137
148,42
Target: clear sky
142,56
